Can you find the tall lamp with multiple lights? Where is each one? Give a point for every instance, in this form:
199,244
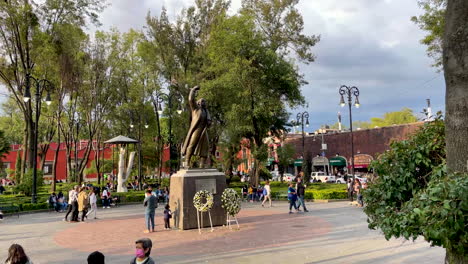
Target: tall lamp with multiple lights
157,101
40,83
300,120
349,92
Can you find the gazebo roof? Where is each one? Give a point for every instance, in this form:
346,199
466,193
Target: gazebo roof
121,140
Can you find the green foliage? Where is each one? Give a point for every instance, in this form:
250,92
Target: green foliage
403,116
413,195
25,187
285,156
265,174
433,22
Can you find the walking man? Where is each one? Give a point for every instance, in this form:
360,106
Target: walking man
267,192
72,204
300,188
150,203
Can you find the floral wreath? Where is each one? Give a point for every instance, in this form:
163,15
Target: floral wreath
203,195
230,201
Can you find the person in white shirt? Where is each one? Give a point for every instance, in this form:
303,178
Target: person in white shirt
267,192
92,201
72,204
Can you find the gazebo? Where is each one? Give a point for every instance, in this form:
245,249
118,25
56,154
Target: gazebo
122,174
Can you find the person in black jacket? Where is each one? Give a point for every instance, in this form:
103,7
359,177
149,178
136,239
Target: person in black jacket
300,189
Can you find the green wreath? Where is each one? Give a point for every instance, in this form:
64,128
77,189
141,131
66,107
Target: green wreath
200,196
231,201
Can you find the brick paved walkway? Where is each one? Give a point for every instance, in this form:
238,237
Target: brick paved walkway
258,229
329,233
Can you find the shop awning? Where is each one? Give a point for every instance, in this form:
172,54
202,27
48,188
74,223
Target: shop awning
362,161
338,161
269,161
320,161
298,162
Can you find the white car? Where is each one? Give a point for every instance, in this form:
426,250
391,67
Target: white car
342,180
288,177
319,176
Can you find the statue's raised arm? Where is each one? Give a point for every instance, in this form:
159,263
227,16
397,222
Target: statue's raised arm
196,142
192,95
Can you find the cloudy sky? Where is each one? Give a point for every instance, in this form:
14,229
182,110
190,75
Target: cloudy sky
371,44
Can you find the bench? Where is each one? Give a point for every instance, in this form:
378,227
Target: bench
9,208
280,195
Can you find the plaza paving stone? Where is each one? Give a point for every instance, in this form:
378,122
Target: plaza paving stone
329,233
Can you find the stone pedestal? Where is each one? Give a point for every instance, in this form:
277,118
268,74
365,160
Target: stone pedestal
184,184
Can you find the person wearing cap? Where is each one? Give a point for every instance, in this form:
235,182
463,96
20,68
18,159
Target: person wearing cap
142,252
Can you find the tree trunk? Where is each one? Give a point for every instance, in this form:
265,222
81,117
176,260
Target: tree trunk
124,174
455,59
54,164
455,54
454,258
24,154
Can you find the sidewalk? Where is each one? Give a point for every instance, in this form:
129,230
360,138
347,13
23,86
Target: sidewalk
329,233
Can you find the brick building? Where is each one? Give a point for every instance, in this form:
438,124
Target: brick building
368,144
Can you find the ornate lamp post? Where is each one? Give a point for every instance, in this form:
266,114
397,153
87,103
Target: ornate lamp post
158,98
40,84
300,120
350,92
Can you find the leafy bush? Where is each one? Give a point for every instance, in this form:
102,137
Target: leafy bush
414,196
235,179
31,207
26,185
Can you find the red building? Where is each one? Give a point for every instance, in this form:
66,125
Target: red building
9,160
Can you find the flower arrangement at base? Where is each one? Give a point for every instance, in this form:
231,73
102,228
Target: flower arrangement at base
231,201
203,201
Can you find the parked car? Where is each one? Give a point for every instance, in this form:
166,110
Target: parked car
275,176
349,176
288,177
319,176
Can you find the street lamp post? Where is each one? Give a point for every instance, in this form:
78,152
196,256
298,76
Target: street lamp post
300,119
26,98
349,92
157,102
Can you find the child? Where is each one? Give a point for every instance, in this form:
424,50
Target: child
167,216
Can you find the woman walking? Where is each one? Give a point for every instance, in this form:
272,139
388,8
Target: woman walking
93,203
292,197
82,202
16,255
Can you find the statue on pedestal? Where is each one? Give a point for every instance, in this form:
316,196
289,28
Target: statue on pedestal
196,143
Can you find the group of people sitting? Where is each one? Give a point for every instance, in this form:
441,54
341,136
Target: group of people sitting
253,193
143,246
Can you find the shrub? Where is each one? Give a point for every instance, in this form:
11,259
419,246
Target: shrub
414,196
27,183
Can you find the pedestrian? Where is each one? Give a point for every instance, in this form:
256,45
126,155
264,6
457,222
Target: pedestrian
96,258
83,202
16,255
167,217
105,198
254,193
245,191
300,188
53,202
72,204
142,253
1,215
292,197
92,202
350,190
151,204
251,193
267,193
358,191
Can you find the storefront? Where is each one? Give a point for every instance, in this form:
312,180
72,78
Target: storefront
321,164
338,165
362,163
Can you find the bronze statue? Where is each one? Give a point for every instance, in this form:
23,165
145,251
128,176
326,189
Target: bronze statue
196,142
